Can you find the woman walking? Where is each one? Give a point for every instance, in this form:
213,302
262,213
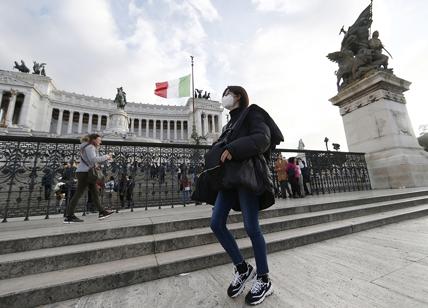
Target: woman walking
253,136
88,159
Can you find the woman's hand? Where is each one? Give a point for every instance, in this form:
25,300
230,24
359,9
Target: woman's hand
226,155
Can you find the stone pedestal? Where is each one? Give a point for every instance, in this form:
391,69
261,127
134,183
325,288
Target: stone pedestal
118,123
377,123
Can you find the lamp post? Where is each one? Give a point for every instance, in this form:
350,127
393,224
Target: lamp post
194,135
326,142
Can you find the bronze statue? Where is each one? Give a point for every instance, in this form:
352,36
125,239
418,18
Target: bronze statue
22,68
358,54
37,67
376,46
357,35
120,99
198,93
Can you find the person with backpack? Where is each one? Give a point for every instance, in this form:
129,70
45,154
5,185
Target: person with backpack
88,159
250,136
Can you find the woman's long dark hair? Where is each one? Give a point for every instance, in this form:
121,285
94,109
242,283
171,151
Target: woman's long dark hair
239,91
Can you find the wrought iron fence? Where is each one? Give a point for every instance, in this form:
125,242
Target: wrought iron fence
37,175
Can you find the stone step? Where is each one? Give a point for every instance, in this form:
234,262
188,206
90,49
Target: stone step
60,285
51,259
62,235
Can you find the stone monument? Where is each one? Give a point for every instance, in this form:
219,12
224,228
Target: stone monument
118,119
373,109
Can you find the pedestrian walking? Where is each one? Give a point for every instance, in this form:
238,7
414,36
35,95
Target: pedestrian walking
88,159
254,135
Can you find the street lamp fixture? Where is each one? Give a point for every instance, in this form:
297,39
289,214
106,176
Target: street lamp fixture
326,142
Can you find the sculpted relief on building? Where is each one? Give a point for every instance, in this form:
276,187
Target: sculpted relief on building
31,105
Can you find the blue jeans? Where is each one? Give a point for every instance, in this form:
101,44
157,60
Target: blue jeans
249,203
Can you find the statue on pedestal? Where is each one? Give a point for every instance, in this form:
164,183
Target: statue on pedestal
120,99
359,54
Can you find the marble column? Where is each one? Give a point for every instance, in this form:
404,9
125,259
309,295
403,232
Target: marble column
132,125
198,123
205,125
147,128
98,122
79,128
107,121
59,123
182,130
175,130
70,122
168,130
161,130
11,108
23,119
90,123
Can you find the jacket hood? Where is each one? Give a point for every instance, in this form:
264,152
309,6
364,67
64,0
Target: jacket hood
276,134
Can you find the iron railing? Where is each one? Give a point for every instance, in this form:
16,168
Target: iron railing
33,168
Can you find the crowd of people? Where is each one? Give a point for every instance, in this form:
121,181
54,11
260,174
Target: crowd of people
293,177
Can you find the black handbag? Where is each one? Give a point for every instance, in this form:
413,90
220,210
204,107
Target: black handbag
247,173
204,191
210,180
95,174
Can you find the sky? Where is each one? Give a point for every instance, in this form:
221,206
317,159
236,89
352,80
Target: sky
275,49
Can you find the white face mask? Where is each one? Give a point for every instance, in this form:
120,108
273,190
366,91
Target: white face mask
228,101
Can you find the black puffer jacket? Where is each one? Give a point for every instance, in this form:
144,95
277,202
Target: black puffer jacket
258,134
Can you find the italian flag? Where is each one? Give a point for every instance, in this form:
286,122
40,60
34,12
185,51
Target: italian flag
174,88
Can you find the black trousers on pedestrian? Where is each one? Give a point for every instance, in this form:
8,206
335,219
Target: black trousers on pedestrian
82,185
294,182
285,189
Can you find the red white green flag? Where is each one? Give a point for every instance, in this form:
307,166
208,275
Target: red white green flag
174,88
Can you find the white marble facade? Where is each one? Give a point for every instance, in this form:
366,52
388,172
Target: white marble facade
32,105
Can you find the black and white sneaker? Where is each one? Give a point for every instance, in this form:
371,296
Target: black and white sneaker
237,285
259,291
104,214
72,219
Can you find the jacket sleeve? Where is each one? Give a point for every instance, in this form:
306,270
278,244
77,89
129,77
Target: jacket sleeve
256,142
91,154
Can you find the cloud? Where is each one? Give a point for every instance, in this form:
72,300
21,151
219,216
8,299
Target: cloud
284,6
275,49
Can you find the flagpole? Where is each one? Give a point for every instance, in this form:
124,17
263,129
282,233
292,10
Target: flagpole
194,133
371,16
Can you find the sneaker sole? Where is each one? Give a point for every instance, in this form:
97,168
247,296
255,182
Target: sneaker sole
251,277
104,217
269,292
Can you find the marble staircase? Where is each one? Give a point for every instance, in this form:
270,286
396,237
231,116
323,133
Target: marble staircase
50,263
